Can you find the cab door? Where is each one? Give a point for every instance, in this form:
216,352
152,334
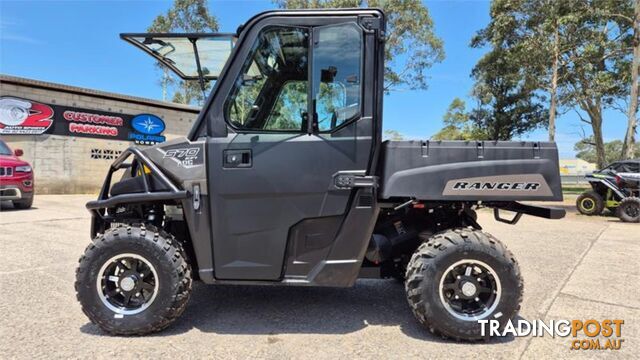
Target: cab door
288,117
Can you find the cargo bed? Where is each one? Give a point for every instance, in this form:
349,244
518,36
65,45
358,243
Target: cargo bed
470,170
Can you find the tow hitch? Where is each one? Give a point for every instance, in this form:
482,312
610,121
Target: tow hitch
520,209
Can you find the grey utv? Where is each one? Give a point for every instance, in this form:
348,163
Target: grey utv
285,180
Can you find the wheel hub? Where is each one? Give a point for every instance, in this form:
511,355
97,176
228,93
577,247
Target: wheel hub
588,204
127,284
632,211
468,289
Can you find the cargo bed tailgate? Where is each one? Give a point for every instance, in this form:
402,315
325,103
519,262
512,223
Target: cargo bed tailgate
471,170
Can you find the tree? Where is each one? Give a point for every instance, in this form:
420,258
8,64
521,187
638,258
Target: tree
577,51
629,139
597,64
529,32
393,135
586,151
411,45
508,103
458,124
184,16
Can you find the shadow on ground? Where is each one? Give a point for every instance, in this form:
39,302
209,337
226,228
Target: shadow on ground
273,310
8,206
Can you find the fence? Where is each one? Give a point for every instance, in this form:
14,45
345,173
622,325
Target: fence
573,180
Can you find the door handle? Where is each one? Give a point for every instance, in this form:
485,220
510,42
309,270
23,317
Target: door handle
237,159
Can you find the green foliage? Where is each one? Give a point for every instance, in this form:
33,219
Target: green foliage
393,135
586,42
508,101
411,46
184,16
586,151
596,54
289,107
458,124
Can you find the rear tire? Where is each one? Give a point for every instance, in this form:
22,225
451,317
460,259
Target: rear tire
590,203
133,280
460,276
629,210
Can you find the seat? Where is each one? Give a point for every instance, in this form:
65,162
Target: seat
136,185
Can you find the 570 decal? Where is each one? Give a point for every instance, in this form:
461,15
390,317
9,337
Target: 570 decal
186,157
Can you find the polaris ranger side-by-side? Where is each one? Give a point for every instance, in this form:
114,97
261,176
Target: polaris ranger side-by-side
285,180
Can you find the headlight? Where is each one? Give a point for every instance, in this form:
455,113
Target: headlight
24,168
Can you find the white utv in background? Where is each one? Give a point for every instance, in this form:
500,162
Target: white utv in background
285,180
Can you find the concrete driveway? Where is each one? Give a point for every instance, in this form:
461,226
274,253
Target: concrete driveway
576,268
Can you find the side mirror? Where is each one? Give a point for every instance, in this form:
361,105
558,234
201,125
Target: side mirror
18,152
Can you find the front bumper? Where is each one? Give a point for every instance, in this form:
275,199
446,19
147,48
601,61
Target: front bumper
13,192
98,207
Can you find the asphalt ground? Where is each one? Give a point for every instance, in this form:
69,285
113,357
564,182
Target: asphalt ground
576,268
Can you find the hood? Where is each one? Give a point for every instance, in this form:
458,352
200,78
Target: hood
10,160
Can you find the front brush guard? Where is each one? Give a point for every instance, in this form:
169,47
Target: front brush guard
98,207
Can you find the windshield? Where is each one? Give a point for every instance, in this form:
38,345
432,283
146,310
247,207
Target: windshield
178,53
4,149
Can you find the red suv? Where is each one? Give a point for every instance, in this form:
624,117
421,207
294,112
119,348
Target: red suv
16,178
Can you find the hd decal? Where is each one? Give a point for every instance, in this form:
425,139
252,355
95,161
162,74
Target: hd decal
24,117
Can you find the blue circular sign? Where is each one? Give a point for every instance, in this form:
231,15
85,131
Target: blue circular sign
147,124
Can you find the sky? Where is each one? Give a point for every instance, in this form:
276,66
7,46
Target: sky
76,43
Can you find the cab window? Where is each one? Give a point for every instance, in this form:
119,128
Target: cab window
271,91
337,58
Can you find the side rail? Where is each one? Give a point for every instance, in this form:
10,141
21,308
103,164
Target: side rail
105,201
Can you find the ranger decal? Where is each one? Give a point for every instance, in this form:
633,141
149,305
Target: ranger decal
529,185
465,185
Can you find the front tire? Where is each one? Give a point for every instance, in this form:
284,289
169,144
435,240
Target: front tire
133,280
590,203
629,209
460,276
23,204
